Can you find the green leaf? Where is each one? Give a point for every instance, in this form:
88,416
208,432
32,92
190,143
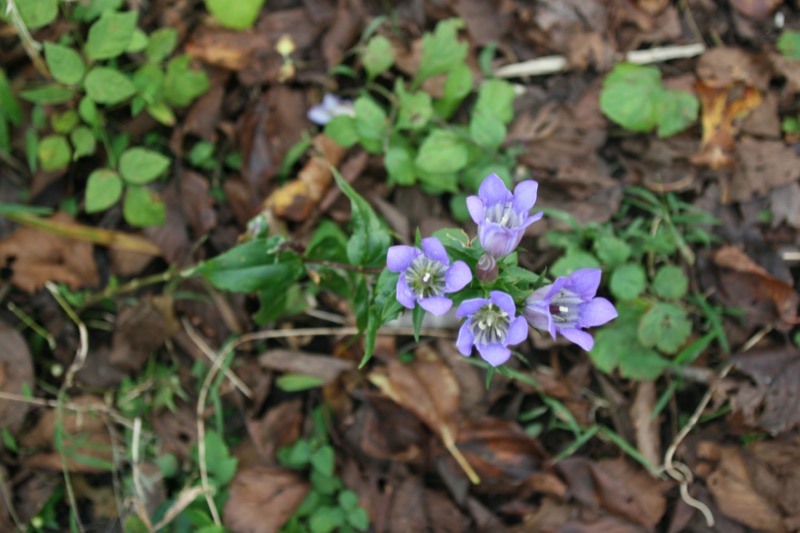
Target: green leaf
295,456
9,106
441,50
324,460
342,129
612,250
675,111
89,11
437,183
48,94
110,35
442,152
87,110
237,15
627,281
399,162
108,86
138,41
64,122
297,382
143,207
665,326
417,316
162,113
358,518
54,152
370,123
370,240
329,242
384,307
161,44
64,63
630,94
221,466
789,44
670,283
140,165
496,99
36,13
326,520
456,87
573,260
149,82
378,56
486,130
183,84
253,266
416,109
103,189
83,142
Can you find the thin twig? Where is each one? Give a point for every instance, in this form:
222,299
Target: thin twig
543,66
206,349
30,44
139,501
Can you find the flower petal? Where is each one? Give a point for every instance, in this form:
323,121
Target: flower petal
436,305
404,294
596,312
504,302
538,316
330,101
400,257
581,338
457,277
470,307
584,282
476,209
465,339
525,196
497,240
494,354
434,250
517,331
493,190
530,220
319,115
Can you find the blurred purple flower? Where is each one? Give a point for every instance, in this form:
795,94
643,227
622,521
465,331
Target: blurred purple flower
501,216
426,275
330,107
568,305
491,326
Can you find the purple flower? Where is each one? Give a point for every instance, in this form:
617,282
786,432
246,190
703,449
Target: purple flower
501,216
491,326
568,305
426,275
330,107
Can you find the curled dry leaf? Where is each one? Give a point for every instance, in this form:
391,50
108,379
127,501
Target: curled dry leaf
130,348
743,281
229,49
16,375
769,398
295,200
616,486
734,490
756,9
320,366
429,389
761,167
262,499
280,426
722,110
37,256
343,31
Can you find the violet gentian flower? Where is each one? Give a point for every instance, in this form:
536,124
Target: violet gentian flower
426,275
491,326
568,305
330,107
501,216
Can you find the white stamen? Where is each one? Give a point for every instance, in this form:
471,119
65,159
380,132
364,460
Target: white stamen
504,220
426,277
563,309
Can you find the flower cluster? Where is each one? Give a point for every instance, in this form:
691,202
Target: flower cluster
492,324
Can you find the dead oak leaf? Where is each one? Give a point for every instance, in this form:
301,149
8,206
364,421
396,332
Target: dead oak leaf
262,499
769,399
37,256
761,166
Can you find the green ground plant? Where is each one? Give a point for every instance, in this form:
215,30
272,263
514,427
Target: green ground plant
645,255
91,76
329,506
416,132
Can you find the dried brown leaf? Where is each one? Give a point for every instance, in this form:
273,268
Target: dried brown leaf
16,376
262,499
756,9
